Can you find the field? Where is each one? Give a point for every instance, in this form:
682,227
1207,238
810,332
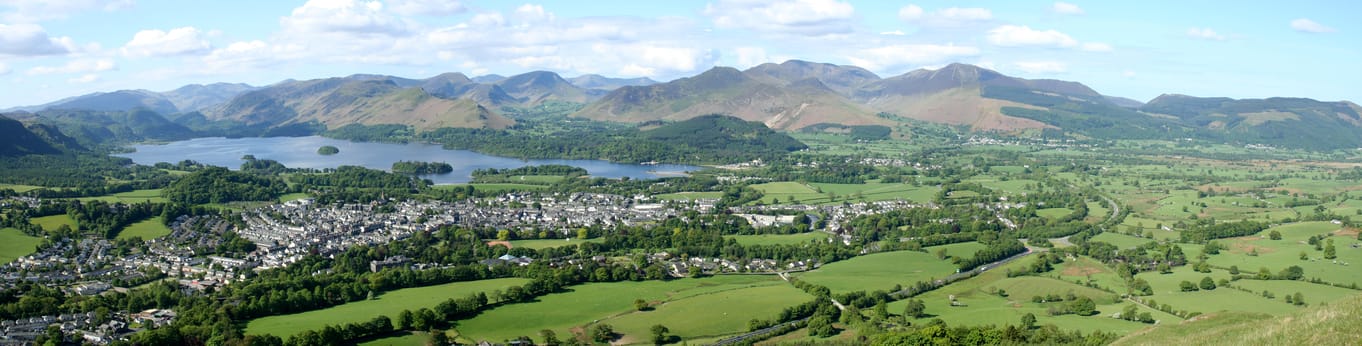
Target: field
548,243
389,304
1335,324
51,223
15,244
1054,213
820,193
777,239
130,197
146,229
1121,240
879,271
495,187
293,196
728,302
19,188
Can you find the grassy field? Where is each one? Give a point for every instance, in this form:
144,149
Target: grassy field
51,223
15,244
688,196
19,188
762,297
822,193
548,243
779,239
293,197
405,339
146,229
389,304
879,271
1279,254
130,197
1121,240
1053,213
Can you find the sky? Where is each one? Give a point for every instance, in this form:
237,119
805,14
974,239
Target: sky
51,49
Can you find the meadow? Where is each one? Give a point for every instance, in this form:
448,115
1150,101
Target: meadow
388,304
51,223
779,239
549,243
15,244
880,271
146,229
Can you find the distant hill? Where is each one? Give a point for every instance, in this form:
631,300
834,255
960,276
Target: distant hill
598,82
845,80
337,102
94,128
1291,122
121,100
533,88
724,90
196,97
719,134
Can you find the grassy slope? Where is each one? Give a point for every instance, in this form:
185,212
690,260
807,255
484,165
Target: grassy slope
879,271
51,223
15,244
1335,324
146,229
389,304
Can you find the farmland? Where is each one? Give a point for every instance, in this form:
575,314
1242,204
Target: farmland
15,244
146,229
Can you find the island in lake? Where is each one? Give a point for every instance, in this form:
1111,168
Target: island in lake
328,150
421,168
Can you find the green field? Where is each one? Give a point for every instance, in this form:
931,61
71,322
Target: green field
780,239
19,188
130,197
293,196
146,229
51,223
1121,240
389,304
1054,213
822,193
405,339
15,244
879,271
750,296
548,243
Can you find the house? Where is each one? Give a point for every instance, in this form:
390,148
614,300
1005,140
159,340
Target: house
390,262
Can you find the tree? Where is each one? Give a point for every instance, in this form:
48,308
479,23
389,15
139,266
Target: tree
1329,250
915,309
1083,306
1291,273
1187,286
1275,235
1028,321
821,326
550,338
504,235
1207,283
438,338
660,334
640,304
603,333
1299,299
881,309
404,320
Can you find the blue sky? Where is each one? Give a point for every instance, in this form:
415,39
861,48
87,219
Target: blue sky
50,49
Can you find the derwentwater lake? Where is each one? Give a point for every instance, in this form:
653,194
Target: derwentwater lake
301,152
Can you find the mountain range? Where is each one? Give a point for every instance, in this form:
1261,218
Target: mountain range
788,96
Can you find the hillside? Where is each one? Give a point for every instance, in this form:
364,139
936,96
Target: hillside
16,140
533,88
196,97
94,128
845,80
121,100
337,102
1278,121
718,134
1334,324
724,90
599,82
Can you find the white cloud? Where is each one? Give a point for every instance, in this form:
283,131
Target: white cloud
4,69
1015,36
426,7
30,11
1128,74
911,13
74,66
893,33
1042,67
652,60
1204,33
798,17
1096,47
344,16
751,56
1310,26
1066,8
247,55
898,57
178,41
528,13
31,40
88,78
950,16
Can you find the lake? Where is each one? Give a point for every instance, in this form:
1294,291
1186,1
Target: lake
301,152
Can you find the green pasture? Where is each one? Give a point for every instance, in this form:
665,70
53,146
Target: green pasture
780,239
146,229
880,271
15,244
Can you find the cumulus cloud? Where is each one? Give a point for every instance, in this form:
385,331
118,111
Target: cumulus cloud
1204,33
950,16
426,7
898,57
1310,26
893,33
31,40
1066,8
178,41
798,17
751,56
344,16
1042,67
74,66
652,60
1021,35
